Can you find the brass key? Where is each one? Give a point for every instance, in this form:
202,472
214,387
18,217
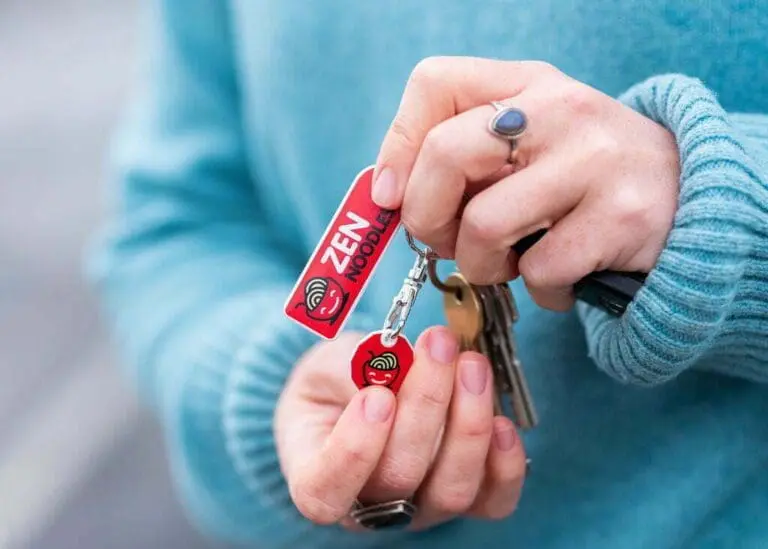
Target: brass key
482,317
463,311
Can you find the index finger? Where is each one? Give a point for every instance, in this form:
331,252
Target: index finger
438,89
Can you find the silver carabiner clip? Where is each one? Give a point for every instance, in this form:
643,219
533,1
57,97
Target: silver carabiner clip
406,297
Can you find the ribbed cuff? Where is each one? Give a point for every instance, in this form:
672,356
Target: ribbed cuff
683,310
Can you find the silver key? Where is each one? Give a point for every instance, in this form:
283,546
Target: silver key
485,345
500,315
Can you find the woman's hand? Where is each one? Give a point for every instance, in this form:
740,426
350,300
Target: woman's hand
600,177
437,440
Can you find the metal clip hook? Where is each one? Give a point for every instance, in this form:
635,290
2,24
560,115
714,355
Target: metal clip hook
405,298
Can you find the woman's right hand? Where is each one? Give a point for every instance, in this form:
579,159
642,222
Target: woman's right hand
437,441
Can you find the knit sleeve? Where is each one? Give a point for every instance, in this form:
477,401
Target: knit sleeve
193,281
705,303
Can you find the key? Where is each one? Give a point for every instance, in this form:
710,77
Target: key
502,315
488,345
463,311
467,316
482,317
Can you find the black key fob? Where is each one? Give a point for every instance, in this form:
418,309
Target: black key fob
611,291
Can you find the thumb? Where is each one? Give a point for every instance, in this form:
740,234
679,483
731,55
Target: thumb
325,474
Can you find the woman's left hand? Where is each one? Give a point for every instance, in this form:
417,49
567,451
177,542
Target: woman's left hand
600,177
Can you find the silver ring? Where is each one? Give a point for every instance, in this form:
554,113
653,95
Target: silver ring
396,514
509,123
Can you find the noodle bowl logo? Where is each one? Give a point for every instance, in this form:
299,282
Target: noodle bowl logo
381,369
324,299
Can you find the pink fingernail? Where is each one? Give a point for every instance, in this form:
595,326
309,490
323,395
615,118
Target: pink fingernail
504,436
474,374
378,405
442,346
384,191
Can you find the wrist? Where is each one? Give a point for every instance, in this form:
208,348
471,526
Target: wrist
682,309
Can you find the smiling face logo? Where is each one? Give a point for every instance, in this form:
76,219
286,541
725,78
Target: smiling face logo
324,299
381,369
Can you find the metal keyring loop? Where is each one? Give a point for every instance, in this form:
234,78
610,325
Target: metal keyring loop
435,279
431,258
425,253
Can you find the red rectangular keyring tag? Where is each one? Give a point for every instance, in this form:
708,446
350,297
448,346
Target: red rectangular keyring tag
343,262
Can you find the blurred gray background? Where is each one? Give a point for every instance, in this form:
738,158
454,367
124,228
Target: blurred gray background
81,464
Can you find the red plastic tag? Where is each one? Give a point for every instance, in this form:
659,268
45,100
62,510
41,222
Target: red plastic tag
374,363
343,262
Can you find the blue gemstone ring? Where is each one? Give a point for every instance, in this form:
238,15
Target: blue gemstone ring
508,123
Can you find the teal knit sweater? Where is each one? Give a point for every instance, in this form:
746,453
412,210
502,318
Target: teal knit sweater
252,119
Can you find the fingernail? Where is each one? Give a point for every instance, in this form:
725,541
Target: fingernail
384,191
504,437
442,346
377,405
474,375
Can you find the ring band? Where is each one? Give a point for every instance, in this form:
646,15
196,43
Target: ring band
509,123
396,514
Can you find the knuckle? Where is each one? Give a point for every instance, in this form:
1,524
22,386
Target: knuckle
499,512
402,475
428,70
480,224
516,474
440,145
312,505
401,131
512,471
350,455
436,397
596,260
542,67
582,100
476,430
632,209
535,274
453,500
602,150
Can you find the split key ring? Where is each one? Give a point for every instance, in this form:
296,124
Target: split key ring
431,258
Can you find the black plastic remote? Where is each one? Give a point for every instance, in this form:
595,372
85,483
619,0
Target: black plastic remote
611,291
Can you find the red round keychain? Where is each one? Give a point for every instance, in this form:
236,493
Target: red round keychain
376,363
